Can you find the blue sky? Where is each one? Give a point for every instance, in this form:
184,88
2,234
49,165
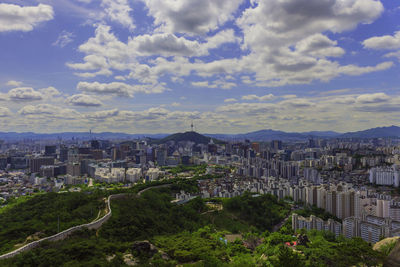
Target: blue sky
231,66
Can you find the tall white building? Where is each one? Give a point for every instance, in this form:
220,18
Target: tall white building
385,176
382,208
313,222
370,228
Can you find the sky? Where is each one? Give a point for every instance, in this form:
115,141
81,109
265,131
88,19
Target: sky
230,66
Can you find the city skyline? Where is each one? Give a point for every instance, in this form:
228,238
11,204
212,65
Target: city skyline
236,66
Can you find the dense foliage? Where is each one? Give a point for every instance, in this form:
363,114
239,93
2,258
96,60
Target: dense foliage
314,210
196,169
262,212
83,248
136,218
41,215
195,234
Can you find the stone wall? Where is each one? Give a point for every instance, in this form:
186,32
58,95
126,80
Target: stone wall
64,234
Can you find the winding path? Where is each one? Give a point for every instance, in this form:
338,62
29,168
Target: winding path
96,224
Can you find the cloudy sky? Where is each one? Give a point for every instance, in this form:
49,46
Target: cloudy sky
231,66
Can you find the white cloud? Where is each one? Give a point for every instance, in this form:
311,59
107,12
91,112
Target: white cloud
283,42
386,42
319,45
168,44
5,112
289,96
49,111
220,83
24,94
286,41
372,98
297,103
191,17
165,44
50,91
176,104
118,88
229,100
248,109
23,18
103,52
383,42
102,115
64,39
259,98
119,11
83,100
14,83
356,70
203,84
394,54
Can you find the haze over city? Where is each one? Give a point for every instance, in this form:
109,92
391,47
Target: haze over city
232,66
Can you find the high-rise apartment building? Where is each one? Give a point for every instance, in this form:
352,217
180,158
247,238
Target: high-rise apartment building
36,163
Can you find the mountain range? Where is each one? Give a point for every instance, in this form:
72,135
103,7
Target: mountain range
262,135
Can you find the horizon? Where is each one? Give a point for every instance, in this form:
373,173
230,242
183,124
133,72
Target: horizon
154,66
203,133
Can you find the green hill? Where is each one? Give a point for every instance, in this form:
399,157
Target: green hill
188,136
149,230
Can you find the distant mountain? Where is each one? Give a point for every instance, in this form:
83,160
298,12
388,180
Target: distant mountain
187,136
379,132
262,135
268,135
77,135
322,133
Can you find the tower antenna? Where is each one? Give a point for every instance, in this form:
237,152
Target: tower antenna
192,126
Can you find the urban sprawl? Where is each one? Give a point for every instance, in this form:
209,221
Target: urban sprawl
355,180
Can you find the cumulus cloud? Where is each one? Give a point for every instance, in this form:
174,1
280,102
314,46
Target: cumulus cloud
281,42
119,11
319,45
215,84
249,109
386,42
5,112
176,104
49,111
168,44
24,94
118,88
14,83
259,98
229,100
356,70
23,18
383,42
64,39
103,52
50,91
297,103
372,98
273,28
289,96
101,115
165,44
83,100
191,17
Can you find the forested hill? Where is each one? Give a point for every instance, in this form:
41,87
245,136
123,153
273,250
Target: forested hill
188,136
213,232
